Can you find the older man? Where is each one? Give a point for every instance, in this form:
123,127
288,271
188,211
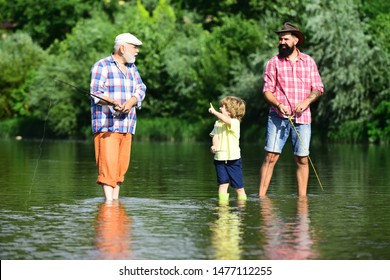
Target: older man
116,80
291,83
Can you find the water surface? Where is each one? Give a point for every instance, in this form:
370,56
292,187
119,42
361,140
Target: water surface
52,209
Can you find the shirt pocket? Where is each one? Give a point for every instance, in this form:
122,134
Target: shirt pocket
304,77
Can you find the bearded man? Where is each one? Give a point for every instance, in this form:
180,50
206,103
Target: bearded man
116,80
291,83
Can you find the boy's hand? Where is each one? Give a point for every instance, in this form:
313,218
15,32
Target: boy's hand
213,149
211,109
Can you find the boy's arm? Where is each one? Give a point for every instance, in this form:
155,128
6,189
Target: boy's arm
214,146
219,115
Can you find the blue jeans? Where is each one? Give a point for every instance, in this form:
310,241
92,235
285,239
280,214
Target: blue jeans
278,131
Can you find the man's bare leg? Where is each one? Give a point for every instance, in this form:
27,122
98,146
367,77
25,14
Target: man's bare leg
108,192
302,174
266,172
116,190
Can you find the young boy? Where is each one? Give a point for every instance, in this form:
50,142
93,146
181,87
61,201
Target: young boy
225,146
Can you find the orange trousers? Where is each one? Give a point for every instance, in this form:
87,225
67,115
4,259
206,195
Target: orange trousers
112,154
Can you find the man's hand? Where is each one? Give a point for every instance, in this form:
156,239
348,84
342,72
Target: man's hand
302,106
128,105
117,107
285,110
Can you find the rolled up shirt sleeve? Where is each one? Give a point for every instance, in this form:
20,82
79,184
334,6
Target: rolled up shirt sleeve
140,88
316,79
98,80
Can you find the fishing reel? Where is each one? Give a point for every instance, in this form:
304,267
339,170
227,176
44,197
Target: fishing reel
114,112
117,114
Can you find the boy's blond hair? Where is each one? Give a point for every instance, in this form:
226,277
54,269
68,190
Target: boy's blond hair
235,106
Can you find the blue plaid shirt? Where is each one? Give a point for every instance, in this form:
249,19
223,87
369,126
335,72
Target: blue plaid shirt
108,80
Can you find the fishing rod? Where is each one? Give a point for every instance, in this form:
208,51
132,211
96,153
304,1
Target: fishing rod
87,93
290,118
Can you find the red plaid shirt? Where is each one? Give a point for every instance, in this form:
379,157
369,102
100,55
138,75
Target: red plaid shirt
291,83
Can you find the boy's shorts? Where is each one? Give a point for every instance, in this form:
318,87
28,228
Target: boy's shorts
278,131
229,171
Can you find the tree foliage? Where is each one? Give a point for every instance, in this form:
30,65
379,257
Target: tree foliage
69,61
20,58
47,20
193,53
352,70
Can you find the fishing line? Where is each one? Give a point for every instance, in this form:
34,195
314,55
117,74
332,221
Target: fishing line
40,149
290,117
304,147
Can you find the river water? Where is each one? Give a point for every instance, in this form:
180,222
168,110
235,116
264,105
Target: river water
51,207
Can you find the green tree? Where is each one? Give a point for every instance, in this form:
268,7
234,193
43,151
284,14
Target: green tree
379,28
352,69
157,30
47,20
244,42
67,110
195,52
373,8
19,59
379,125
70,60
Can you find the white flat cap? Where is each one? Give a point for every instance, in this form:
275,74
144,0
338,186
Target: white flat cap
127,38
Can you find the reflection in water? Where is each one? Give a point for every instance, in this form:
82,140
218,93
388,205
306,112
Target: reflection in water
113,228
287,240
227,232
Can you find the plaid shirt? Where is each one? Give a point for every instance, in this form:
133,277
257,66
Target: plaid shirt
291,83
108,80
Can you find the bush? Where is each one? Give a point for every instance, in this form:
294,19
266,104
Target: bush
172,129
379,126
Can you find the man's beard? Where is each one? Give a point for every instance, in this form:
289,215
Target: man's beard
129,58
285,50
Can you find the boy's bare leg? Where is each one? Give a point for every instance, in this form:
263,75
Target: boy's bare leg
223,192
241,195
223,188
